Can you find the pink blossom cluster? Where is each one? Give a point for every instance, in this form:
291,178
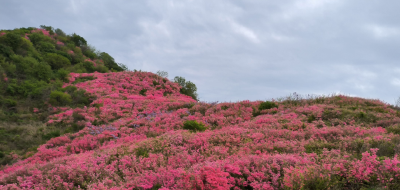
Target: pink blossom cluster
60,43
45,32
141,144
2,33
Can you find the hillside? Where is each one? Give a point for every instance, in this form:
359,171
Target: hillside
34,63
141,133
138,130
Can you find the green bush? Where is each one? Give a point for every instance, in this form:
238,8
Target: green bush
31,88
58,98
51,135
143,92
89,51
395,129
89,66
41,71
78,40
8,67
57,61
194,126
13,40
101,69
267,105
6,50
65,54
9,103
46,47
63,75
188,88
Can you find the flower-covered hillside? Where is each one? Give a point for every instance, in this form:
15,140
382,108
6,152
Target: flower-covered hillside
141,133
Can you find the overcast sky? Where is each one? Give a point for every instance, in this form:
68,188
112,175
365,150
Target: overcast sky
242,49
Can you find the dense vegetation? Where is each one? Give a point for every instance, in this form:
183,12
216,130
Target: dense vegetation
34,64
65,126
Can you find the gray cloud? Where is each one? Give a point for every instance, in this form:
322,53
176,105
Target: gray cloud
239,50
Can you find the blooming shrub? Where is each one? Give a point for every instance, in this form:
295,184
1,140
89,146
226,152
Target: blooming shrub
127,139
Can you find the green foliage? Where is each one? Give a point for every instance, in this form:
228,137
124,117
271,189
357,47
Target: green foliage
311,118
9,68
101,69
143,92
78,40
31,88
395,129
46,47
80,98
41,71
63,75
59,32
83,79
162,74
51,135
89,51
13,40
318,146
9,103
267,105
110,63
89,66
194,126
57,61
58,98
142,152
155,83
5,50
188,88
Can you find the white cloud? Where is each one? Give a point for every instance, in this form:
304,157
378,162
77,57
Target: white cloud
244,31
395,82
380,31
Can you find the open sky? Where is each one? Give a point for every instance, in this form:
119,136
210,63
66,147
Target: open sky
239,49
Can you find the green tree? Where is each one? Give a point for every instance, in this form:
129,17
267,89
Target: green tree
188,88
46,47
59,32
13,40
109,62
41,71
78,40
58,98
57,61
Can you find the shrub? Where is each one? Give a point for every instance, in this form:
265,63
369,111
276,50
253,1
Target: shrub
41,71
101,69
163,74
9,103
46,47
58,98
51,135
59,32
6,50
13,40
188,88
78,40
83,79
89,66
57,61
143,92
395,129
89,51
194,126
31,88
63,74
267,105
